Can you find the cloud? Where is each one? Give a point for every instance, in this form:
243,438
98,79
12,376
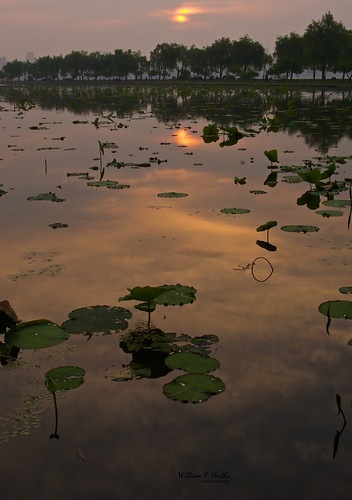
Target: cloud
204,8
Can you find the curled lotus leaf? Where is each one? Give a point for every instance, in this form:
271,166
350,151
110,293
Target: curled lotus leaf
65,377
300,229
266,226
36,334
94,320
336,309
234,211
345,289
144,293
176,295
191,362
193,388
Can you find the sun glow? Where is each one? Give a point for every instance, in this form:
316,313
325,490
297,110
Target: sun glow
181,19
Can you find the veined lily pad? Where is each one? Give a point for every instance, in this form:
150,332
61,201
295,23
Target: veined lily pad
329,213
193,388
192,363
300,229
266,226
345,289
336,309
234,211
65,377
36,335
97,319
172,194
45,197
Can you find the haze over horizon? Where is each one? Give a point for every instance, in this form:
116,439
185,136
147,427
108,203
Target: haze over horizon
44,27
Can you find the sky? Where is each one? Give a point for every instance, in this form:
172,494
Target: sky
51,27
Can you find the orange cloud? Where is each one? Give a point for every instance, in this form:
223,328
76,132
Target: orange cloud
186,11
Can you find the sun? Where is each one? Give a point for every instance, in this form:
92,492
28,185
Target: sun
181,19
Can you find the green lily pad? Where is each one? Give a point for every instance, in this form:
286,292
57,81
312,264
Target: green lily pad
176,295
292,179
345,289
193,388
337,203
45,197
207,339
144,293
65,377
234,211
300,229
329,213
266,226
36,335
97,319
58,225
258,191
172,194
192,363
336,309
102,183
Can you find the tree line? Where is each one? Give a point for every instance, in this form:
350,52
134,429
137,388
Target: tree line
325,46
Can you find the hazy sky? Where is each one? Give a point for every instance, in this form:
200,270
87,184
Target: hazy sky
52,27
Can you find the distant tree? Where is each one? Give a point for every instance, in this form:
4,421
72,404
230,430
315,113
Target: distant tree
219,54
199,61
344,62
289,55
323,43
14,69
246,54
76,64
164,58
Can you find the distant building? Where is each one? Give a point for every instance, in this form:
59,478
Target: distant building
30,57
2,61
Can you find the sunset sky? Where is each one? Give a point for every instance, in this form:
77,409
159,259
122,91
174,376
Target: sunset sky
48,27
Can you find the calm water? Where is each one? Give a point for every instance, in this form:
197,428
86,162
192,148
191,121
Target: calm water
271,433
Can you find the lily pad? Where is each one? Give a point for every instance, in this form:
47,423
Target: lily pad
172,194
97,319
266,245
193,388
36,335
234,211
176,295
336,309
329,213
300,229
337,203
192,363
102,183
345,289
45,197
58,225
66,377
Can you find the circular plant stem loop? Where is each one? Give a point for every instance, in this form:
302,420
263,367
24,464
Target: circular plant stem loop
252,269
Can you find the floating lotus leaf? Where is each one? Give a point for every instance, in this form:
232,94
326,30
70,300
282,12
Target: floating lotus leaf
36,335
102,183
97,319
258,191
65,377
345,289
292,179
336,309
172,194
329,213
272,155
210,133
337,203
45,197
192,363
205,339
58,225
193,388
309,198
300,229
132,372
118,186
234,211
266,226
176,295
144,293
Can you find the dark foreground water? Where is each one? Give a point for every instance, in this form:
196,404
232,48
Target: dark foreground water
273,431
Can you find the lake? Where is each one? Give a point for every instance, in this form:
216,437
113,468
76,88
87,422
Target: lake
257,322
